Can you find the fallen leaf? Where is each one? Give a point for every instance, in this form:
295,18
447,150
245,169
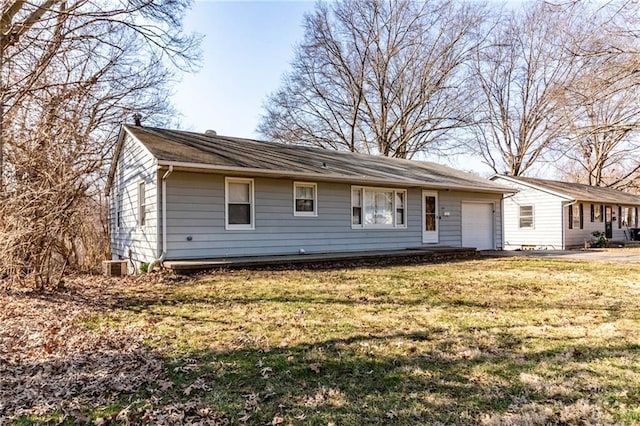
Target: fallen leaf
265,372
277,420
187,390
165,384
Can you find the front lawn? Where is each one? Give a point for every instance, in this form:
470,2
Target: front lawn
491,341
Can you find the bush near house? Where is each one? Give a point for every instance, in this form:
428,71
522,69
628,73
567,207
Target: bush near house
491,341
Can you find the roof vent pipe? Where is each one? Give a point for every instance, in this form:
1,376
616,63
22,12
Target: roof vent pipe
211,133
137,119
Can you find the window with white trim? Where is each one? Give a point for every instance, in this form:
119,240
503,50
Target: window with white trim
378,207
239,203
526,216
356,207
142,204
305,199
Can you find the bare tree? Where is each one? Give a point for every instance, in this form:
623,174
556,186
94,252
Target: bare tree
71,71
602,127
517,86
376,76
602,115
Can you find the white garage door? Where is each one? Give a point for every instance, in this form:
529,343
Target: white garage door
477,225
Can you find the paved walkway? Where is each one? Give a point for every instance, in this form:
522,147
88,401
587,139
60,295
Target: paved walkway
605,255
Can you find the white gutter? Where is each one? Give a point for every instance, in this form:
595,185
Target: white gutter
160,259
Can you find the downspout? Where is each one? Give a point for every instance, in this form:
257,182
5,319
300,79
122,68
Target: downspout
158,261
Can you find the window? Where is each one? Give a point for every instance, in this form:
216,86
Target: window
526,216
576,214
632,214
626,216
239,203
596,212
356,206
430,212
400,208
142,207
378,207
304,199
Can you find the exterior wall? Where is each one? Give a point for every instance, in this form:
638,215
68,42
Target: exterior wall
129,240
547,219
577,237
551,221
451,226
196,220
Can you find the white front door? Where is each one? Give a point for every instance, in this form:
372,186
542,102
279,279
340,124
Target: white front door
429,217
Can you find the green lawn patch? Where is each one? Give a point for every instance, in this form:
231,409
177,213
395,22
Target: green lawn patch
491,341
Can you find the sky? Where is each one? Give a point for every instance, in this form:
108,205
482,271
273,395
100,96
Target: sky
247,47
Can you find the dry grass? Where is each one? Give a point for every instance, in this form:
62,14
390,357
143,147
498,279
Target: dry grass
493,341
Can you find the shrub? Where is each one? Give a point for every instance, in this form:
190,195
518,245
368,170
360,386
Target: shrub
599,239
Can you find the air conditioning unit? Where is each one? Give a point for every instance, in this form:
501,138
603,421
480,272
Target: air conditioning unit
114,268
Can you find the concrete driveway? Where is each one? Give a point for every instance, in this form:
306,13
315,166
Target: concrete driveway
600,255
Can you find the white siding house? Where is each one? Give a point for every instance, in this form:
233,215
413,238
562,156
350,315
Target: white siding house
554,215
178,195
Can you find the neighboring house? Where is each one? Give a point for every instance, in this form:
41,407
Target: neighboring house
178,195
548,214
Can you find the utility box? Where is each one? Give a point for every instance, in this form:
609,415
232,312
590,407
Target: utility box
114,268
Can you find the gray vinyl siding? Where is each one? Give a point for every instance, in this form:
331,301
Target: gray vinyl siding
451,226
134,165
546,232
577,237
196,220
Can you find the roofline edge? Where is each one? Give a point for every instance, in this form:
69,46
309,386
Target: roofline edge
325,177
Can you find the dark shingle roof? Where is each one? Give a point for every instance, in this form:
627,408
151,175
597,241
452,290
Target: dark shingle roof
229,153
582,192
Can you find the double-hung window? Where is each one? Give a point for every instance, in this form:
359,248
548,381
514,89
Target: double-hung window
239,203
400,209
305,199
356,207
576,213
598,215
596,212
526,216
378,207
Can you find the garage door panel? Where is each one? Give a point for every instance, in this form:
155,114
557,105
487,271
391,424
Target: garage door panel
477,225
